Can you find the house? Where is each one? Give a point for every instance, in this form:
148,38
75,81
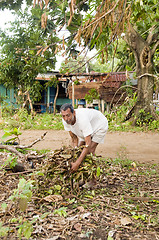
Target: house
73,88
108,86
48,95
7,96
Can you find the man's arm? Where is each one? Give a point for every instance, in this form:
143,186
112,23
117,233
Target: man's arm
74,139
84,152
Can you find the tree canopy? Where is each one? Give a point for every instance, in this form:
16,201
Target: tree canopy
13,4
104,25
24,54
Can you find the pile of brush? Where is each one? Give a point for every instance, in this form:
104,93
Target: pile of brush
56,177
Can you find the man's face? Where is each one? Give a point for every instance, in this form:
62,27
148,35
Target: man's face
68,116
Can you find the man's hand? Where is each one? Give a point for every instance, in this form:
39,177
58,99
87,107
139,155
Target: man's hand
74,166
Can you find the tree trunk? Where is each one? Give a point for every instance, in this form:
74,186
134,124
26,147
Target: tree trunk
144,70
57,92
30,102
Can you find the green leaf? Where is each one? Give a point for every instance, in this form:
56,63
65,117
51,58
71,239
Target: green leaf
72,200
28,228
98,171
136,217
128,68
61,211
57,187
13,220
5,135
88,196
39,173
3,230
3,207
23,203
110,238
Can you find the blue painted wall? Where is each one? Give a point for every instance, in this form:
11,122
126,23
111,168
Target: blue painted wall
48,98
9,98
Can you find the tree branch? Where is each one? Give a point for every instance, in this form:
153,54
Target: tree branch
148,74
151,35
12,149
30,145
154,48
98,19
119,90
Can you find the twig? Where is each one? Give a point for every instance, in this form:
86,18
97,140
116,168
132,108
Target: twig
30,145
35,157
19,173
119,89
142,198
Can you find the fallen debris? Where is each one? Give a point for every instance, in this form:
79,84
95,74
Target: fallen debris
49,202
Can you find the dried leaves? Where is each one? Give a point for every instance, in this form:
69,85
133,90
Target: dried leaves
110,14
57,174
72,9
123,205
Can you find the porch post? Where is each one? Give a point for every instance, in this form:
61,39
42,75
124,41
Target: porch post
102,102
108,106
73,94
48,99
12,96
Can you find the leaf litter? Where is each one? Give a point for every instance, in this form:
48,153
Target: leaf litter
104,199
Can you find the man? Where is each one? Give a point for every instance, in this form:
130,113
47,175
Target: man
86,127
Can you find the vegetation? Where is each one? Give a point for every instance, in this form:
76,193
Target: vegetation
23,120
92,94
116,118
90,24
47,201
22,57
125,199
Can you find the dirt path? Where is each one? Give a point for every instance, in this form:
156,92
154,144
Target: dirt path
142,147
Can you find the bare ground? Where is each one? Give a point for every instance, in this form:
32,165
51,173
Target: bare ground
136,146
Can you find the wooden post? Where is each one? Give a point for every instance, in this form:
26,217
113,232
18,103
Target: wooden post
76,102
30,102
108,106
57,92
102,102
99,106
73,95
0,106
48,99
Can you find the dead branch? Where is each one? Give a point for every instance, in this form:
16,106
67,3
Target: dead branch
19,173
12,150
147,199
155,47
119,89
152,35
30,145
22,158
35,157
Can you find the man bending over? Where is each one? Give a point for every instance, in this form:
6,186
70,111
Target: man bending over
86,127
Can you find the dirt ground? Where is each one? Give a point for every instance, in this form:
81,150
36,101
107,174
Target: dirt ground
136,146
123,204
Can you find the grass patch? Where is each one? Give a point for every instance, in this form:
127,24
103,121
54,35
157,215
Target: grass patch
38,122
48,121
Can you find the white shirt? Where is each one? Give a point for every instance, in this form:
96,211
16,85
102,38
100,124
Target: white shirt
88,122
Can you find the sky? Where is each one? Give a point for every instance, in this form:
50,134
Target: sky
5,16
